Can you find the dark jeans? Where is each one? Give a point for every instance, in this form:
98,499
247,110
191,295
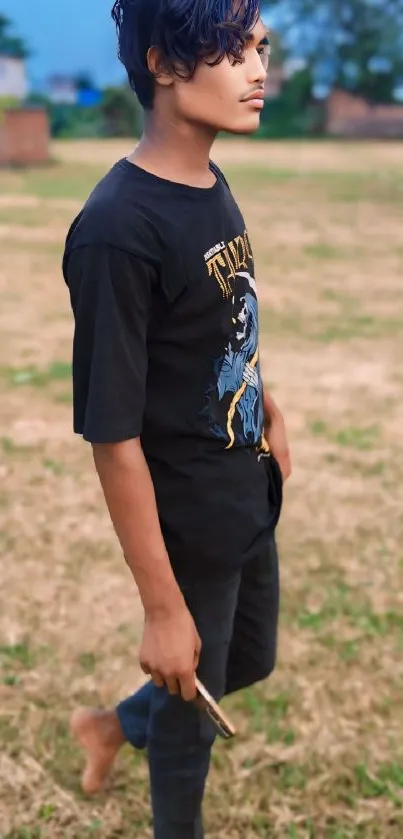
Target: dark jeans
236,614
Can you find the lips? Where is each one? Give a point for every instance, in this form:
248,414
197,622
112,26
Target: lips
257,96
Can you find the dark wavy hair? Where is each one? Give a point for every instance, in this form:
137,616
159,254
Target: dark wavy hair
185,31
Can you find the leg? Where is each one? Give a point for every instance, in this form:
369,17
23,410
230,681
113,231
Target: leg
103,733
251,659
133,715
180,738
253,650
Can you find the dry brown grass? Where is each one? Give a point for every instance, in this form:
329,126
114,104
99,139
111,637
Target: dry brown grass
320,755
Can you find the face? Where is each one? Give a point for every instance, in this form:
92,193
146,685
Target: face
228,97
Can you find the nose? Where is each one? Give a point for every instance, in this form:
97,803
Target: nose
257,71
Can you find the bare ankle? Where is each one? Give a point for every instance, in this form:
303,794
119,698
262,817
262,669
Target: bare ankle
110,728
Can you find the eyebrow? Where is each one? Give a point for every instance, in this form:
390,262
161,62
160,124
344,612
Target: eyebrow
264,40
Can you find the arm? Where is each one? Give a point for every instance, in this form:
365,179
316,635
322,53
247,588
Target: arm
129,493
276,434
171,646
111,294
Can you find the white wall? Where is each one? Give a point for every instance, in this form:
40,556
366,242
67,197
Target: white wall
13,79
62,94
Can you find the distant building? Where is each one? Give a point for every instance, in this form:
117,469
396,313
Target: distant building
65,90
62,90
352,116
13,77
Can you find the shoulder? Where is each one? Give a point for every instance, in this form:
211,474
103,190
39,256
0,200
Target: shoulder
116,215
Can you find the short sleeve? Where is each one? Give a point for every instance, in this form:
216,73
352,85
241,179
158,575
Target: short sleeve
111,297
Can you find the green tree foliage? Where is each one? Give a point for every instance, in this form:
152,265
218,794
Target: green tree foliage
355,44
10,44
85,81
117,115
121,112
292,113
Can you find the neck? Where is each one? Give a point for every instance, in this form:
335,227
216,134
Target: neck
176,152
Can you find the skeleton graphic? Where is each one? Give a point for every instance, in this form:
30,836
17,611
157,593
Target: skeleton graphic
237,397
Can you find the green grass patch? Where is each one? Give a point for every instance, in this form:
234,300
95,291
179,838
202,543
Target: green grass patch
327,329
11,681
54,181
25,217
65,398
292,776
283,321
20,655
345,301
59,753
323,250
22,217
351,605
10,737
46,812
266,714
362,439
386,782
348,651
10,448
53,466
385,187
88,662
258,177
21,376
358,326
34,217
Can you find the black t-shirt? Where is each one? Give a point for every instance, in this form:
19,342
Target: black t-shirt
161,280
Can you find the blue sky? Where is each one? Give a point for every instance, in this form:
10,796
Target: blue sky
67,37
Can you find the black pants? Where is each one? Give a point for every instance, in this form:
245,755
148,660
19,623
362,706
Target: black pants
236,616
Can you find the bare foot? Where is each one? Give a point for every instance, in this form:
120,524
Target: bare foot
100,735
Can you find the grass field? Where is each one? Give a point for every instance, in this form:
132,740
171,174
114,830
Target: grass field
320,754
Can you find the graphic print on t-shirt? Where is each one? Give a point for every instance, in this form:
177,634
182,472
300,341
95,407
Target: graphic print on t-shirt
235,403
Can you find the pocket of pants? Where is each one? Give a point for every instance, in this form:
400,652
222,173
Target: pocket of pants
275,488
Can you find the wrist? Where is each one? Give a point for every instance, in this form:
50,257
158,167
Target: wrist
165,605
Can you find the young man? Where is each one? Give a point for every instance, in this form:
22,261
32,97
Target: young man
167,389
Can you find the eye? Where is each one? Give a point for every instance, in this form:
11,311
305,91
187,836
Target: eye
234,60
264,51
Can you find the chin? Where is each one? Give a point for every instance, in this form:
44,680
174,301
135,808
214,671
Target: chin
246,127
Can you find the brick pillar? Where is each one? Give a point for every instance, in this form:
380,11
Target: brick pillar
24,137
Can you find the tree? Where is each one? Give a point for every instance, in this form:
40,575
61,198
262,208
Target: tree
121,112
355,44
278,53
9,44
85,81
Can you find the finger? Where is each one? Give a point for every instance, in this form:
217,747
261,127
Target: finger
198,649
157,679
172,685
188,687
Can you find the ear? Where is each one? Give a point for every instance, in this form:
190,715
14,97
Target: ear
158,68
